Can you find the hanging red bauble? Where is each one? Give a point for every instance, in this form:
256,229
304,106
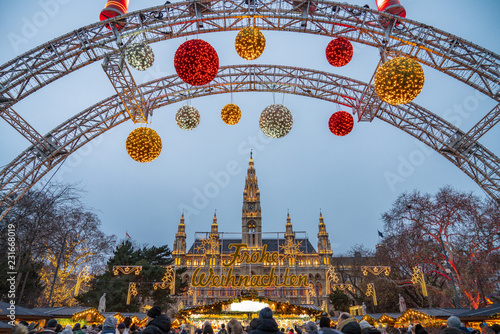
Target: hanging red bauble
339,52
341,123
196,62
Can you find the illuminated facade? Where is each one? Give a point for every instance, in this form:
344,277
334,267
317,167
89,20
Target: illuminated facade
280,266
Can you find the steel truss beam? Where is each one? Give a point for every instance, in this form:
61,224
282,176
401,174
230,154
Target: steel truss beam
124,84
478,163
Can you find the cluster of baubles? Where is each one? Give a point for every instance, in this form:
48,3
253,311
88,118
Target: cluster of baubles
140,56
341,123
143,144
250,43
399,80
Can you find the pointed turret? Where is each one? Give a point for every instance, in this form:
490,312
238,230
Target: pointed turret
289,234
180,243
215,227
324,247
251,222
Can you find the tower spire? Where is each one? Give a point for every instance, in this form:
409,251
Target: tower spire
251,225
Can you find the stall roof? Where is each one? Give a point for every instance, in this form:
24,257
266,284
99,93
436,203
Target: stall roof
62,312
22,311
484,311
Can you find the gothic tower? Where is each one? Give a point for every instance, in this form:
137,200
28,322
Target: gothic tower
324,248
289,234
214,247
180,244
251,220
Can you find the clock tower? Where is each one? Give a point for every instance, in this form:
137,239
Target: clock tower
251,219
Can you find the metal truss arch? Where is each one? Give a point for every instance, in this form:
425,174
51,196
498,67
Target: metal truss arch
452,55
477,162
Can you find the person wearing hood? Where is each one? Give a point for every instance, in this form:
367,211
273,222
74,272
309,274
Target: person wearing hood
77,328
207,328
347,324
267,324
157,322
109,325
311,328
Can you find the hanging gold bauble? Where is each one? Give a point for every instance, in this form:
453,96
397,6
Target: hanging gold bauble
250,43
143,144
276,121
187,117
231,114
399,80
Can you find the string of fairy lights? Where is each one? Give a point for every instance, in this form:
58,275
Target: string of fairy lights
397,81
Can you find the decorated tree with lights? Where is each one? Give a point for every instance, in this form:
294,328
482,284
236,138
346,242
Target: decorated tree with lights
53,227
153,262
453,237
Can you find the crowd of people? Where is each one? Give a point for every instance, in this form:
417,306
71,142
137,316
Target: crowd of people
159,323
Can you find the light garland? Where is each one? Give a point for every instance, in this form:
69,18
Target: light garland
140,56
143,145
399,80
196,62
250,43
230,114
276,121
339,52
187,117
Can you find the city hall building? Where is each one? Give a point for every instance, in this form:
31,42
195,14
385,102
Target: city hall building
281,266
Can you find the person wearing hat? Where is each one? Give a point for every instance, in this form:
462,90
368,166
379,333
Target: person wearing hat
122,327
157,322
324,327
311,328
366,328
267,323
50,328
347,324
453,324
77,329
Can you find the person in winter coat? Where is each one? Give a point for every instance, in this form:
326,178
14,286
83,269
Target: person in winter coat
77,329
311,328
267,324
347,324
324,327
67,330
109,325
366,328
50,328
207,328
235,327
157,322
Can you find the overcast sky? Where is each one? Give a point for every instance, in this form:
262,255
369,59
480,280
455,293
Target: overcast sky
309,169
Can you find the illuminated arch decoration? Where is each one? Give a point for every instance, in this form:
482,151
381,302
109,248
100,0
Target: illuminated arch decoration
31,165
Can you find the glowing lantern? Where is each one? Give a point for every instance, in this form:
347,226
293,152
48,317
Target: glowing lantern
140,56
339,52
112,9
231,114
399,80
276,121
187,117
196,62
143,145
250,43
341,123
392,7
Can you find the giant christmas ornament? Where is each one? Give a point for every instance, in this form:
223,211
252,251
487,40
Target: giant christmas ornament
196,62
250,43
276,121
339,52
112,9
399,80
143,144
341,123
140,56
187,117
231,114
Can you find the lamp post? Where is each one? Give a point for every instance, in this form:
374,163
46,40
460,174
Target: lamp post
457,301
49,304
